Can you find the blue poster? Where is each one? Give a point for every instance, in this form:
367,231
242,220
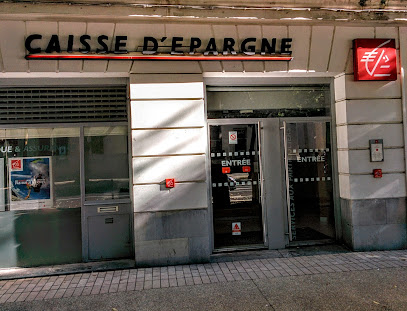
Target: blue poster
30,183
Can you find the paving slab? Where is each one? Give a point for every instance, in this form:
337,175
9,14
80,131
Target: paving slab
383,289
379,289
202,297
18,272
281,273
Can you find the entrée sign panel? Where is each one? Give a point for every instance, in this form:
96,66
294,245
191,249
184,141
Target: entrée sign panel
165,48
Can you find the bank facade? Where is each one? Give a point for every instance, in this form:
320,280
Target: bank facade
166,139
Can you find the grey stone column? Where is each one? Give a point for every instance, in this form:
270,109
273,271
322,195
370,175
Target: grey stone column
169,140
373,209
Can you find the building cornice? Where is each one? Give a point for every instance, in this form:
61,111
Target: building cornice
158,11
340,4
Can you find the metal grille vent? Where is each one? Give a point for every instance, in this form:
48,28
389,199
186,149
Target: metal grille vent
52,105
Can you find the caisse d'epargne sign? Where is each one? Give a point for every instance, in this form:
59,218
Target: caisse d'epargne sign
374,59
151,48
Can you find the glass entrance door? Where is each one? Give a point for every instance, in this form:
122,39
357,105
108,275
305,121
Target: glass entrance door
309,180
235,175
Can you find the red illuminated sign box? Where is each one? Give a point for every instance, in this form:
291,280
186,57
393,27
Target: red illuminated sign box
374,60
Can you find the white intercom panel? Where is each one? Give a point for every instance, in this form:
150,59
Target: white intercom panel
376,150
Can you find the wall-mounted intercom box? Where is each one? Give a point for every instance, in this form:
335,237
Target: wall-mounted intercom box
376,150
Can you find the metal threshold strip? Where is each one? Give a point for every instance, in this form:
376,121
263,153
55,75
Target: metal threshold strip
239,248
312,242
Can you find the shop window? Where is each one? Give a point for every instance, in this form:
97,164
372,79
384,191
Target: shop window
40,168
40,188
268,102
40,199
106,163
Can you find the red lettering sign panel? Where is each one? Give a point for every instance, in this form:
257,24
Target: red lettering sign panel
374,59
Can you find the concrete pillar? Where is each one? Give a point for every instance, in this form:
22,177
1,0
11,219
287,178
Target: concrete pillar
373,209
169,140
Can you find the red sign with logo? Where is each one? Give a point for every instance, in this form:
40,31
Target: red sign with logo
225,170
374,59
377,173
170,183
246,169
16,165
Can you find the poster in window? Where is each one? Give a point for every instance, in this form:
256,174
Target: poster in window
30,183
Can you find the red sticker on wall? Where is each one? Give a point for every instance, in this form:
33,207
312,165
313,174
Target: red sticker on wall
377,173
225,170
246,169
374,59
170,183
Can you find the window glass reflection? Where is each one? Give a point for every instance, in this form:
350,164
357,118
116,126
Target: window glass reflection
309,173
106,163
268,102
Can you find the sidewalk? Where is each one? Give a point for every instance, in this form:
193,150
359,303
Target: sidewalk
142,279
121,264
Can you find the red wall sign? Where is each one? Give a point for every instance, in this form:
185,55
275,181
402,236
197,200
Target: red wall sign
377,173
170,183
374,59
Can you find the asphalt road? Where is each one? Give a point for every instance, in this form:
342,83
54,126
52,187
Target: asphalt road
382,289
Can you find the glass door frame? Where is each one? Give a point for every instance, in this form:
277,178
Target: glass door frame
265,201
274,210
334,161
